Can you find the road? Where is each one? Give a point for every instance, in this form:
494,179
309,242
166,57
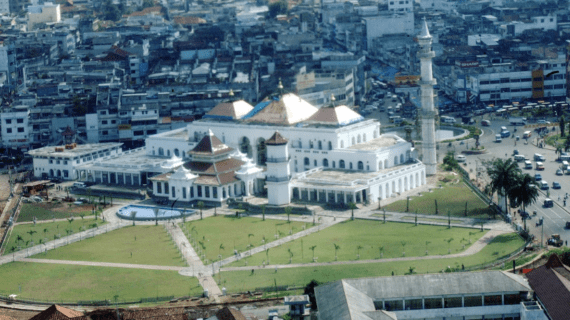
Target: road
555,217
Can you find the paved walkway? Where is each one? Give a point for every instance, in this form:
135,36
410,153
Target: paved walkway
196,266
54,220
103,264
474,248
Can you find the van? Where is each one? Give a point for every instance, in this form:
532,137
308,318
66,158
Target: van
79,185
527,134
393,118
505,134
498,138
548,203
543,185
565,165
503,129
539,166
539,157
528,164
448,120
565,157
519,158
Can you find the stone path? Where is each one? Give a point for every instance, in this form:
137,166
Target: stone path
474,248
103,264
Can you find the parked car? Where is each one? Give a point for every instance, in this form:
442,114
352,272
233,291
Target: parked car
548,203
538,177
460,158
559,172
515,152
543,122
556,185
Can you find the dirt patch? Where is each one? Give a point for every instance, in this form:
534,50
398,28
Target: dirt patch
18,314
62,206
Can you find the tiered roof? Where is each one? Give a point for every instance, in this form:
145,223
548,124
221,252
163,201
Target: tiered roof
338,116
210,145
286,109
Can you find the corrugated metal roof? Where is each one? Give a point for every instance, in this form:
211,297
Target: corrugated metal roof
339,116
233,110
287,109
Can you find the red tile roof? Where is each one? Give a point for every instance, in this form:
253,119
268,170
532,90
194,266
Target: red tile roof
276,140
56,312
552,290
188,20
145,11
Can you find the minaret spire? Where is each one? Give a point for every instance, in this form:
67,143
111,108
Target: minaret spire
428,112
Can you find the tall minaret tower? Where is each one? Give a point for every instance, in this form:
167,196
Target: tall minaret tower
428,111
278,174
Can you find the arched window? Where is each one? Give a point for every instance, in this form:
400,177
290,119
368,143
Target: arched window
325,163
364,137
311,144
261,152
320,145
341,164
360,165
160,151
168,152
395,160
245,146
359,139
350,166
402,158
307,162
353,141
330,145
177,152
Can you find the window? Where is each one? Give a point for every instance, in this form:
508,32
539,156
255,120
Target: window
325,163
537,79
330,145
199,191
166,187
350,166
173,192
360,165
183,192
207,191
104,122
8,121
320,145
433,303
512,298
473,301
414,304
215,192
394,305
138,132
65,162
334,164
494,300
300,144
51,161
315,162
191,192
177,152
104,112
307,162
8,130
311,144
453,302
341,164
19,120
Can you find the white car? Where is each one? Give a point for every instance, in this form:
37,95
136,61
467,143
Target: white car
460,158
543,122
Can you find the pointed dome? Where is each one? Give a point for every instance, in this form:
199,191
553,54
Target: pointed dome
276,140
210,145
337,116
230,110
425,31
286,109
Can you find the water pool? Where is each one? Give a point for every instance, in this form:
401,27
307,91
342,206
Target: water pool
147,213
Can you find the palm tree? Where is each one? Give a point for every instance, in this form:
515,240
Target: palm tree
249,237
31,233
200,205
503,174
220,250
427,242
18,239
358,251
381,249
13,251
263,211
448,244
267,255
313,248
288,212
290,255
155,211
133,215
68,231
46,230
403,243
336,247
352,206
522,192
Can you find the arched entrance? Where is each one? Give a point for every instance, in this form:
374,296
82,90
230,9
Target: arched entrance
245,146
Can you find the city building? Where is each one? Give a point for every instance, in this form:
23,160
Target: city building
15,129
43,14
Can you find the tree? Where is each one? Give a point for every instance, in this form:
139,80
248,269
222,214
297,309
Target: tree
267,255
381,249
263,211
277,8
352,206
46,230
220,250
310,291
18,239
403,243
249,238
449,161
567,143
133,216
13,250
155,211
523,192
558,150
313,249
448,244
200,205
290,255
31,233
288,212
358,251
503,174
562,126
336,247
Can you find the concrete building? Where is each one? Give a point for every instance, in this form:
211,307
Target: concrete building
43,13
15,129
388,23
461,295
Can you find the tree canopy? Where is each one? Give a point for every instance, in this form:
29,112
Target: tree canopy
277,8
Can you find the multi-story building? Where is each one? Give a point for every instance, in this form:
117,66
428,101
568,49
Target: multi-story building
317,87
15,131
43,13
387,23
8,64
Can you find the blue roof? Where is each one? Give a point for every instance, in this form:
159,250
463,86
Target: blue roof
258,107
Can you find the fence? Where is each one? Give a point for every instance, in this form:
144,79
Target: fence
108,302
14,216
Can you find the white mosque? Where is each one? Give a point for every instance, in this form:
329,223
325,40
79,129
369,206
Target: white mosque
283,147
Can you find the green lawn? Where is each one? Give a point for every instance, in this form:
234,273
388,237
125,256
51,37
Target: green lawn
46,232
237,281
452,197
370,235
224,234
381,215
55,282
138,245
432,219
555,139
48,211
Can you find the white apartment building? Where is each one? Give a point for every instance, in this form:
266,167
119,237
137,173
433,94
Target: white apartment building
515,28
4,6
388,23
43,13
15,129
401,5
317,87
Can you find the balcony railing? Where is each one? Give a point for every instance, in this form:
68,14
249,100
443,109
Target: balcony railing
278,160
277,179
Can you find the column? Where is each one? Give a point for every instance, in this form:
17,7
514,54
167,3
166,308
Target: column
326,196
344,197
317,192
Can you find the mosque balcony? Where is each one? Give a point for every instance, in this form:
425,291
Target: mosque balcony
278,160
277,179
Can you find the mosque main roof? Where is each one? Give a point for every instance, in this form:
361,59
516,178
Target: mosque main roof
339,116
286,109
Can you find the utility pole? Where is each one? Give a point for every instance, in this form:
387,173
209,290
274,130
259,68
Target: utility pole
542,234
11,181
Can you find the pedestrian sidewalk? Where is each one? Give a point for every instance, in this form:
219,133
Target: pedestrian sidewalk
103,264
473,249
196,268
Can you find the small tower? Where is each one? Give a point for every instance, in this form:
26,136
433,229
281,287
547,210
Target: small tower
427,112
278,174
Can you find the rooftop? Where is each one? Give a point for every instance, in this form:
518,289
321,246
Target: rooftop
383,141
78,150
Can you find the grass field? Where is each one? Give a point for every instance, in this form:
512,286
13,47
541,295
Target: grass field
73,283
237,281
45,231
49,210
452,197
432,219
555,139
137,245
370,236
222,235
